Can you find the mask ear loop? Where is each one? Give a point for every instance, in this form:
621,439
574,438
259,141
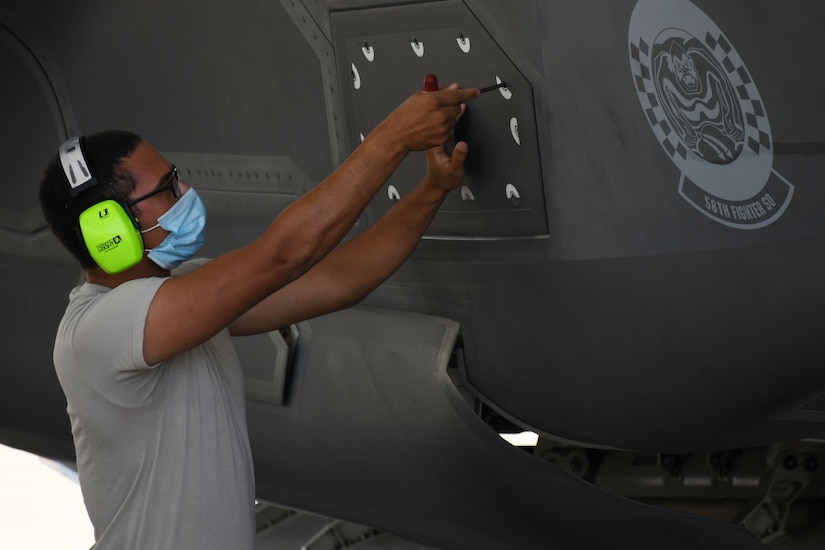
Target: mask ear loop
142,231
177,195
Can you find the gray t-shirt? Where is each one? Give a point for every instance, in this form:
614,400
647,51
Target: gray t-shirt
162,451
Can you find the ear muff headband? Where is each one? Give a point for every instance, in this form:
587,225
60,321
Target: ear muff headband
108,230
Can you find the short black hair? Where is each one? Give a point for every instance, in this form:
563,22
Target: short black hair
104,152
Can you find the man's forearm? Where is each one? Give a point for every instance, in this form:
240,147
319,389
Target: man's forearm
349,273
369,259
318,221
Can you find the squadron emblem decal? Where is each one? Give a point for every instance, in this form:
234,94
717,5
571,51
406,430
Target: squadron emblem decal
706,112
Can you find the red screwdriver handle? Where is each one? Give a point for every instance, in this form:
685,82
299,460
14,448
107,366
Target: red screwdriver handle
430,83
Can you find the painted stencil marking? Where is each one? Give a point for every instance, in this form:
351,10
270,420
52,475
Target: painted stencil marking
706,112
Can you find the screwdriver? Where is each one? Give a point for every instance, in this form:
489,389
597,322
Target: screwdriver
493,87
430,83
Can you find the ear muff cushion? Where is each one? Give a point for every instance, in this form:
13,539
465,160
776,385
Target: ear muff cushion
111,237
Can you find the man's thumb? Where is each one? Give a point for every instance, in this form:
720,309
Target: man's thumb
460,153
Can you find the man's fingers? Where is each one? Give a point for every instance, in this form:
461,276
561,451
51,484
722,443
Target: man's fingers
453,95
459,154
438,154
461,112
464,94
458,98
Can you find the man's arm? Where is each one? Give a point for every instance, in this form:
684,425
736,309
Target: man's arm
353,270
189,310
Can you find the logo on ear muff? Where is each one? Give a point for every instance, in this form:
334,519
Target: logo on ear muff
110,233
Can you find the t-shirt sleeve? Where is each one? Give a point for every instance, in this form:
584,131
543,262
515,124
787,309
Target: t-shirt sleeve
108,341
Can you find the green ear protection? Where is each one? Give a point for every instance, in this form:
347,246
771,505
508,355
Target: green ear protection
110,233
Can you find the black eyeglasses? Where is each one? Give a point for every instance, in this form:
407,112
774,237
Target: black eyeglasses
172,184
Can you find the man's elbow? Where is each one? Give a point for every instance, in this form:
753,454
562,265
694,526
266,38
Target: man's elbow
292,268
294,260
357,293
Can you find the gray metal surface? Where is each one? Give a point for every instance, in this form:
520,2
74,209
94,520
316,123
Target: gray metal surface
396,424
642,301
502,194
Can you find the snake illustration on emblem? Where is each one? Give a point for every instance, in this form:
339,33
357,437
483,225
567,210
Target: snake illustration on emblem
705,110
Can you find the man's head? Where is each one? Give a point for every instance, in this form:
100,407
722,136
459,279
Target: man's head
169,218
105,153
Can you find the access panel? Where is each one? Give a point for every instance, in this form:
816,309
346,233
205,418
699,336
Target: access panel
383,55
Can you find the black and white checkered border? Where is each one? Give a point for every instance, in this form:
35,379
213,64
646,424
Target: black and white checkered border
758,127
646,89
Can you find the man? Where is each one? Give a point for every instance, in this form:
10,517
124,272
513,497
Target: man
154,388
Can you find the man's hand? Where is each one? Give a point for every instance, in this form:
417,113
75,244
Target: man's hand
443,171
427,119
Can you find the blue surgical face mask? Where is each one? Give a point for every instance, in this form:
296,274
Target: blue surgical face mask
186,223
